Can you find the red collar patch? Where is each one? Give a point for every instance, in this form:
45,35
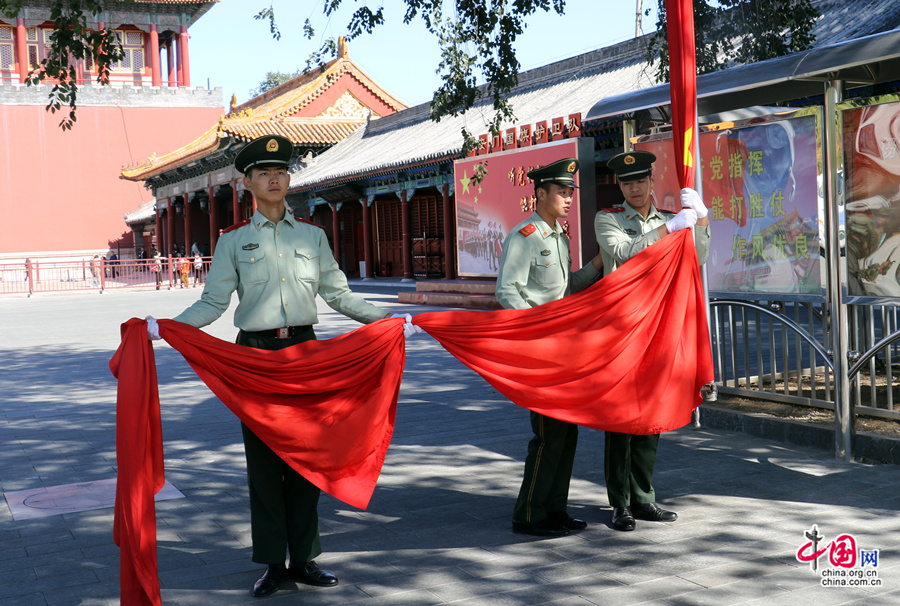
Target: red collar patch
235,226
309,222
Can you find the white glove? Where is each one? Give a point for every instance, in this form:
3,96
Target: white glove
409,329
152,328
685,219
691,199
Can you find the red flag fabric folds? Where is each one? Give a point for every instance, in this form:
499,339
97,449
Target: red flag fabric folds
629,354
326,407
139,458
683,85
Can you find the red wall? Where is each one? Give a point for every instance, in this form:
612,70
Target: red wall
61,191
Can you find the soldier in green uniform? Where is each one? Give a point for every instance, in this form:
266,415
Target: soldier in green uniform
277,264
622,232
535,268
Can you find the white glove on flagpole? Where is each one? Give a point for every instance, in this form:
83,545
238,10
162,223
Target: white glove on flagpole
686,219
691,199
152,328
409,329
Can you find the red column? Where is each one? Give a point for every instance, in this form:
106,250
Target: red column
159,240
336,230
213,220
22,49
235,201
155,69
170,229
368,257
170,64
449,235
406,235
179,50
183,59
188,239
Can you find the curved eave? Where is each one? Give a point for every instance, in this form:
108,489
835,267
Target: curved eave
302,132
207,143
377,172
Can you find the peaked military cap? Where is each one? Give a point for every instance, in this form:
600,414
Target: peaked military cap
270,150
561,172
632,165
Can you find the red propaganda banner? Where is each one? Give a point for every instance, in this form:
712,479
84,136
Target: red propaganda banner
682,85
760,184
493,195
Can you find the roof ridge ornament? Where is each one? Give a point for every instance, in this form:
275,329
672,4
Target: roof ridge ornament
343,48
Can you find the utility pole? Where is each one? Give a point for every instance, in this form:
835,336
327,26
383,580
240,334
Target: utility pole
637,19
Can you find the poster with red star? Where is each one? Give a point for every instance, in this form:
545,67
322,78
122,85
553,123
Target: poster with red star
760,182
493,194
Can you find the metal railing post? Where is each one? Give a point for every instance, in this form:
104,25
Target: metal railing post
844,421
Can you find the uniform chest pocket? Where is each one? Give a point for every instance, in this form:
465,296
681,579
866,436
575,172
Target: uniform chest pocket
306,265
546,272
252,267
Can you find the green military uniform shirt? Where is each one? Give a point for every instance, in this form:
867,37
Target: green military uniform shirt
535,266
622,233
277,270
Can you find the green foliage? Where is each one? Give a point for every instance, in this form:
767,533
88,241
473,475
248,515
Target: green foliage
729,32
272,80
269,14
477,42
70,41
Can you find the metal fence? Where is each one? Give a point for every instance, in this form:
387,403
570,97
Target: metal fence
100,274
781,351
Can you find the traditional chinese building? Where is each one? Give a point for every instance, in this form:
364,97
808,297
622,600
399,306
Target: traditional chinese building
388,190
198,192
72,176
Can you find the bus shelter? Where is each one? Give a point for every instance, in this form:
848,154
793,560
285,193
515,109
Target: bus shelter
799,161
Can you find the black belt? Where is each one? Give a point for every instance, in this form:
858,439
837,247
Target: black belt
285,332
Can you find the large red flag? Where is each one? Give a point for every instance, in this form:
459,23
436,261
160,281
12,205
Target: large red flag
683,85
326,407
628,354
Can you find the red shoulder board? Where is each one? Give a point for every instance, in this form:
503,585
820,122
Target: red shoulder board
614,209
235,226
309,222
528,230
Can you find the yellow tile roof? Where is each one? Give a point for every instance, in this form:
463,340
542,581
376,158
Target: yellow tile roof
273,112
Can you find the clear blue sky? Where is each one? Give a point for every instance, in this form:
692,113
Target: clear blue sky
231,50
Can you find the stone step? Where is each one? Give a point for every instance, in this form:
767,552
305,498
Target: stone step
450,299
472,287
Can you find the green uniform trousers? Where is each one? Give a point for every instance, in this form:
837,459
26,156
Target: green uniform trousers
284,515
548,469
629,468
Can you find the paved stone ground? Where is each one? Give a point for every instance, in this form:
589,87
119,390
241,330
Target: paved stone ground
438,527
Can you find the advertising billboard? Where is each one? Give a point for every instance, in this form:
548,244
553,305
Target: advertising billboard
871,137
761,183
493,194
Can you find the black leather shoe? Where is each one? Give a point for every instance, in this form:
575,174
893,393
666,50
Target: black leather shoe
622,519
544,528
270,580
649,511
566,521
311,574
